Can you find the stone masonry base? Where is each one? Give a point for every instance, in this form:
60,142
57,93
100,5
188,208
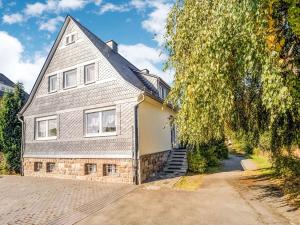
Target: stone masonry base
152,163
75,169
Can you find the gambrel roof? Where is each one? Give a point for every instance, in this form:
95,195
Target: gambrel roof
127,70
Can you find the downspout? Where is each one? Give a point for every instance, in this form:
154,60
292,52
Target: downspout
136,146
20,118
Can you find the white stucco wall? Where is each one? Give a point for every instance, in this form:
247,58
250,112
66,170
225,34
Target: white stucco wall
154,127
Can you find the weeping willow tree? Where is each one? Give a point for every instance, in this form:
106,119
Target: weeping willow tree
230,73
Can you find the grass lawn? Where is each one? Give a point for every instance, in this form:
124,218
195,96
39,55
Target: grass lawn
190,182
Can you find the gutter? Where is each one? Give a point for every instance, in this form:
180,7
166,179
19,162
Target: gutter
137,163
20,118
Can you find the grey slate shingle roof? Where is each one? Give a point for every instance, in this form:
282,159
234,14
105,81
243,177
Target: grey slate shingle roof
126,69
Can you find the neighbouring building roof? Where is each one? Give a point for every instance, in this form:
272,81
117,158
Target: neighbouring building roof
5,81
126,69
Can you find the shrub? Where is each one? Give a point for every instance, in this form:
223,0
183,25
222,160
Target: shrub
287,166
206,155
248,149
196,162
222,151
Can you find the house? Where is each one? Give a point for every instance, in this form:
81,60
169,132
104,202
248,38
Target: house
5,85
93,115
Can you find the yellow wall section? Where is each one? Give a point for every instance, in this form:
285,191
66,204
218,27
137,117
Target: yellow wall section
154,127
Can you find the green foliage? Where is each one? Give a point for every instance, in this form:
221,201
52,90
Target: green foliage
236,67
204,156
196,162
218,51
287,167
10,128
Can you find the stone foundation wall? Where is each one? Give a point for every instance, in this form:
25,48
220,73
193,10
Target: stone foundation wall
75,169
150,164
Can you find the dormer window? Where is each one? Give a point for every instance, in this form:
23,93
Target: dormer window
70,39
163,91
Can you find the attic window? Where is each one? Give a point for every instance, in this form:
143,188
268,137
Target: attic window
70,39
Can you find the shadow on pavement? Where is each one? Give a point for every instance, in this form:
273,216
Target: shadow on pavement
287,193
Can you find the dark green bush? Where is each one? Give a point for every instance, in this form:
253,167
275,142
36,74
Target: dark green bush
196,162
287,166
207,155
248,149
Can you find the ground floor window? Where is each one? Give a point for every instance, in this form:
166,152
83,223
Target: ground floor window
46,128
109,169
50,167
90,168
100,122
38,166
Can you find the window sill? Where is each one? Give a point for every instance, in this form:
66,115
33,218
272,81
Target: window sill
91,82
46,139
101,135
52,92
66,88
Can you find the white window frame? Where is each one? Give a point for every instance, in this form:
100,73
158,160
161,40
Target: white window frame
47,128
84,75
100,134
49,86
64,79
69,40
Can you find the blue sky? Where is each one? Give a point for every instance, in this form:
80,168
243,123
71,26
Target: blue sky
28,29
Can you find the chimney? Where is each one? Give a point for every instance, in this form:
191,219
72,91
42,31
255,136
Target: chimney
113,45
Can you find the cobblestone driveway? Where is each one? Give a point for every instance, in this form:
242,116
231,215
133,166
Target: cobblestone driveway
29,200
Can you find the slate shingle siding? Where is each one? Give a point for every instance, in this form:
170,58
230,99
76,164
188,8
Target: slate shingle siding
69,105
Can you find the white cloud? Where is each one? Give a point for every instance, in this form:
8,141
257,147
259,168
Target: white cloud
156,21
64,5
14,66
138,4
38,8
98,2
109,7
145,57
51,24
54,6
13,18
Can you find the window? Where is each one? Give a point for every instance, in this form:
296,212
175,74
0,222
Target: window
38,166
50,167
109,170
46,128
90,168
52,83
70,78
101,122
89,73
70,39
163,92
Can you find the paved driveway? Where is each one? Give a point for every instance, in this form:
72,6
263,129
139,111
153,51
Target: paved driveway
221,200
29,200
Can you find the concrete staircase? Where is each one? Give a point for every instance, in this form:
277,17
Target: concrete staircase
176,164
